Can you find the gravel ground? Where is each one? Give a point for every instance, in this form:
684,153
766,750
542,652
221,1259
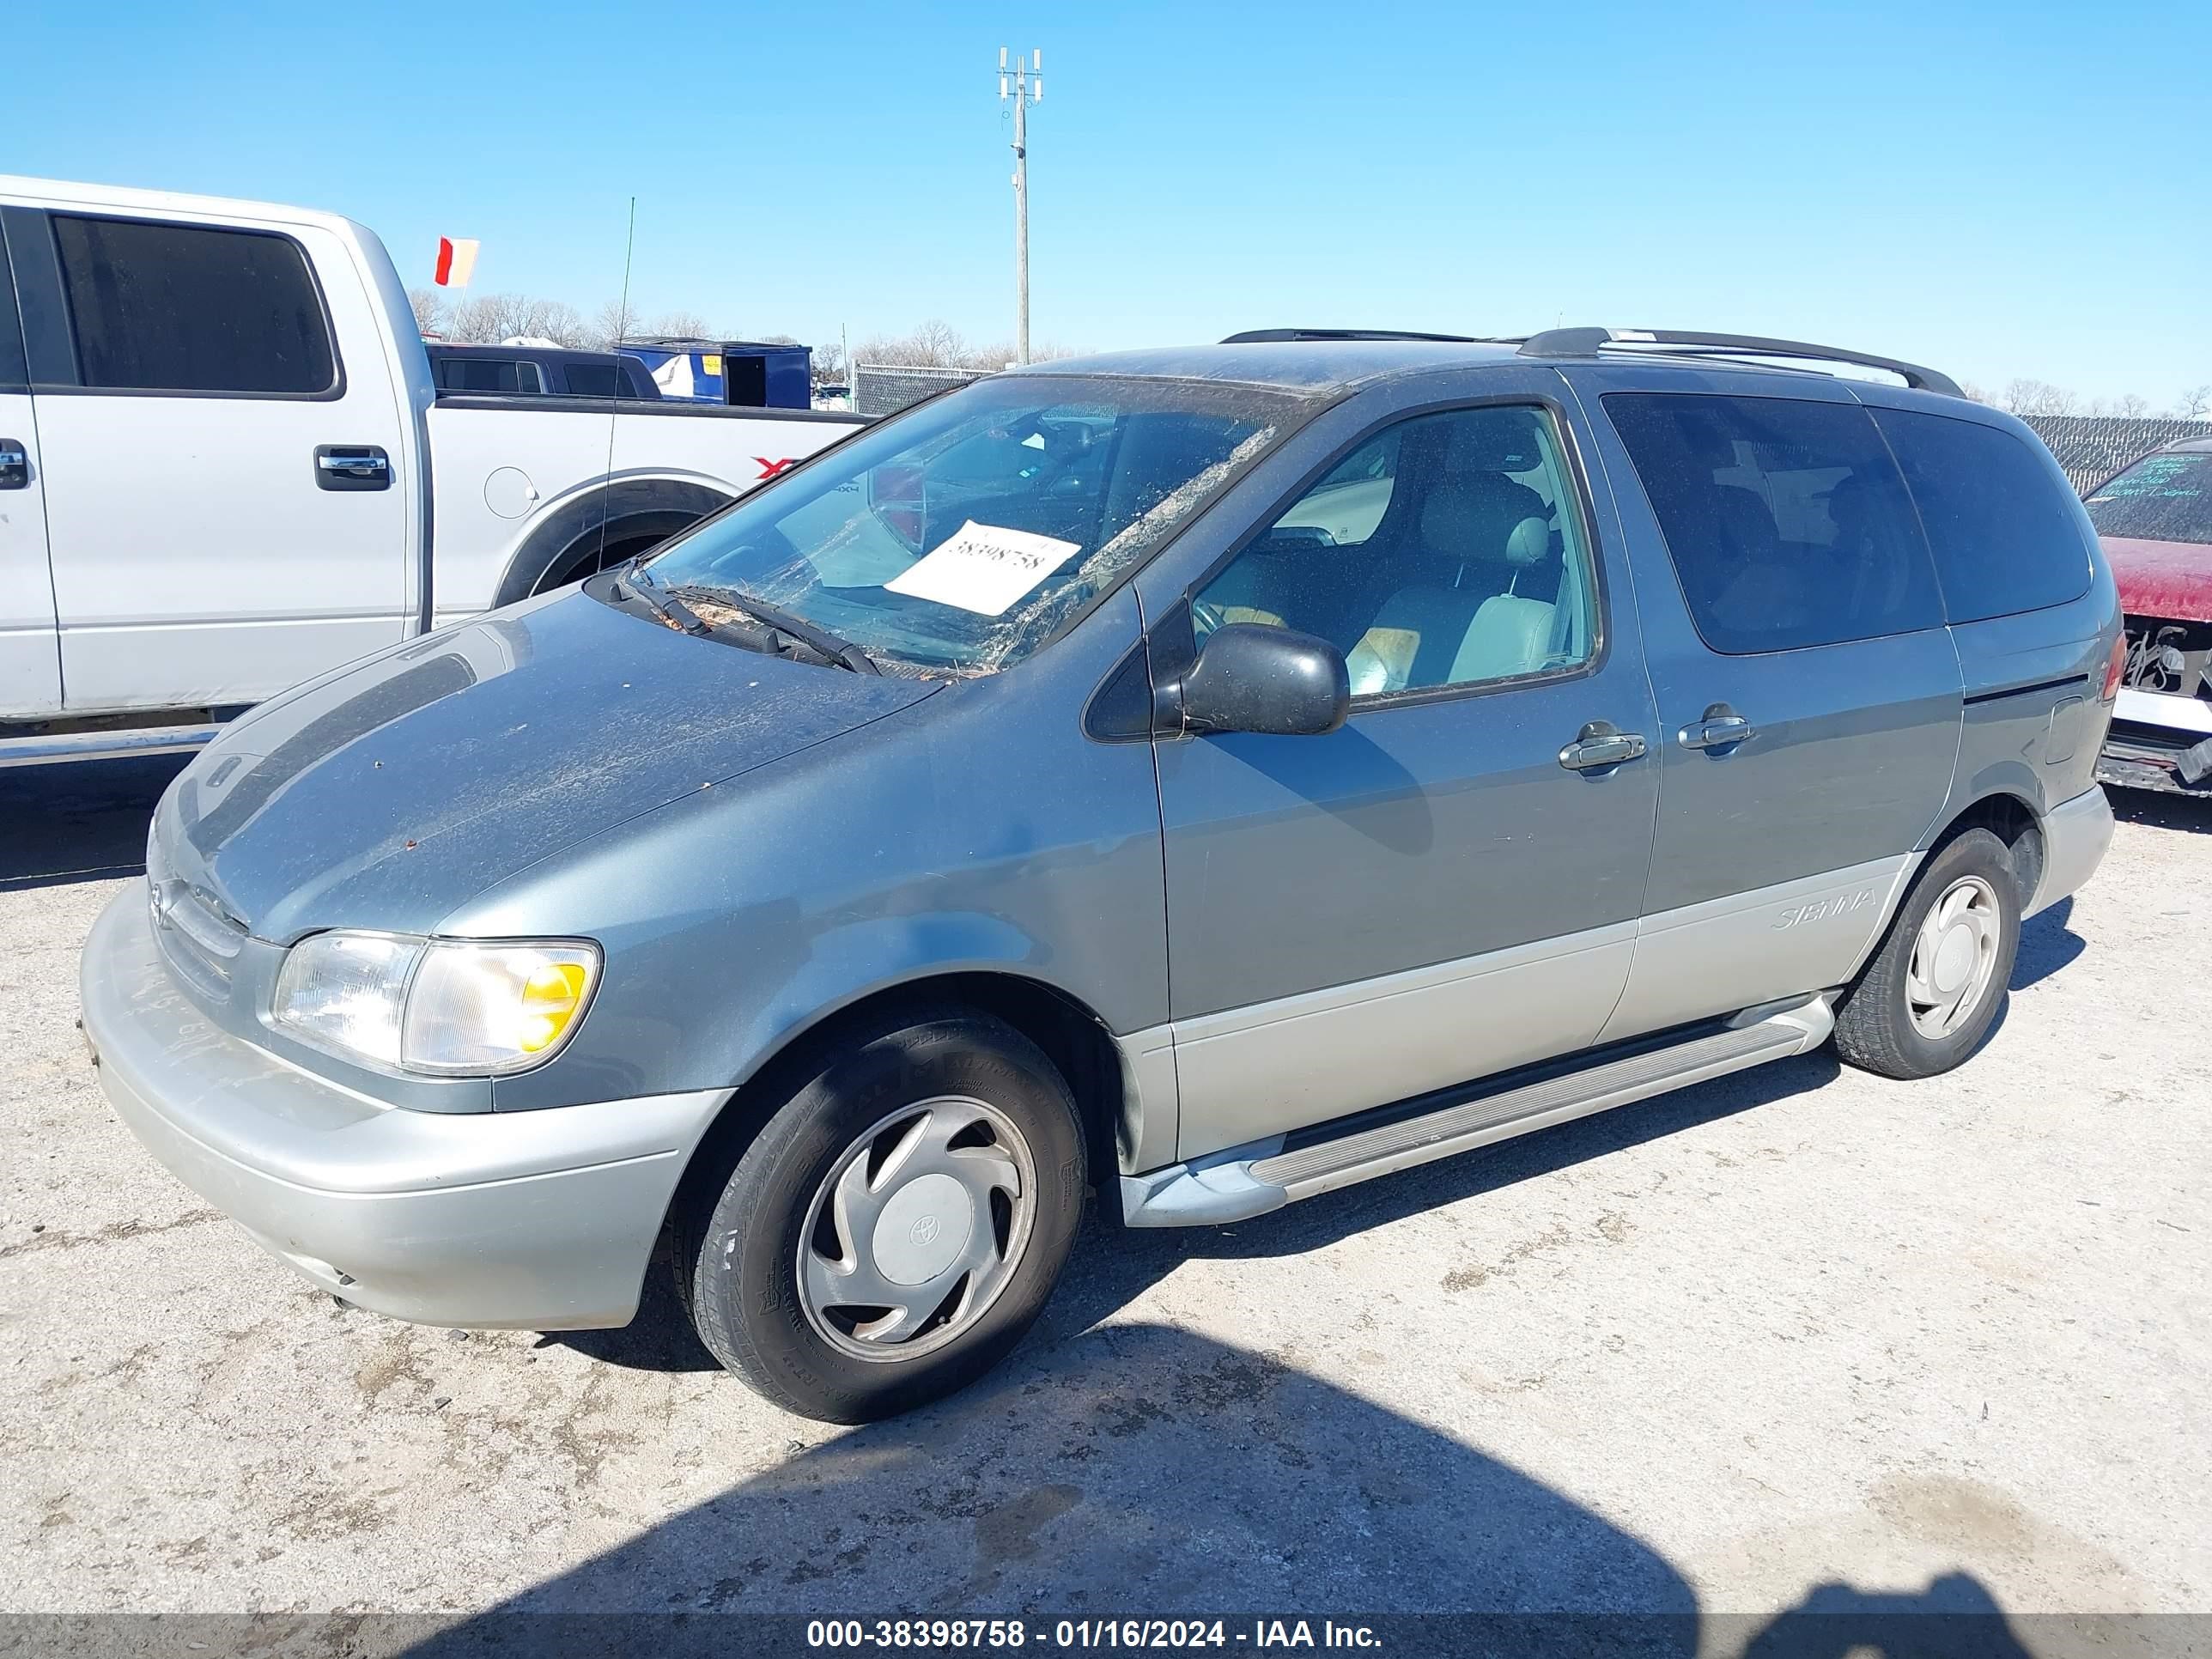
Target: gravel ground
1946,1343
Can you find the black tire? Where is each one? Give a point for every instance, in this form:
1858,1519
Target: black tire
1875,1030
738,1239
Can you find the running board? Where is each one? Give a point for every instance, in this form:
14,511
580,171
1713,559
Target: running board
1252,1179
51,749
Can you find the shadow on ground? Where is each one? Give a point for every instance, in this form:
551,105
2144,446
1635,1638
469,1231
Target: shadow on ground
2162,812
1141,1469
81,821
2047,944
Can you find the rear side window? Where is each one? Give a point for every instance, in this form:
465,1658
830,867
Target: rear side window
2001,527
163,307
593,381
1787,522
483,374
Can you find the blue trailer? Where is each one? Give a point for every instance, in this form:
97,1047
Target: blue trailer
743,374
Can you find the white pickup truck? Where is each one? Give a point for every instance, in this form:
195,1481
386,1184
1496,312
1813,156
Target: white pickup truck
224,466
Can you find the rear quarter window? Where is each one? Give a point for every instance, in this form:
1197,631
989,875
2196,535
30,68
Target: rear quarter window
2001,527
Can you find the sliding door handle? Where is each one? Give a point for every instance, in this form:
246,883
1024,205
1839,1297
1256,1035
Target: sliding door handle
1721,728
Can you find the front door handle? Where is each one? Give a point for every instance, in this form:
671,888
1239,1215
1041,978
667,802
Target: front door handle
1721,728
15,464
352,466
1600,744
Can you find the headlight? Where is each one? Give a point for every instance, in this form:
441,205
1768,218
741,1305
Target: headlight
448,1008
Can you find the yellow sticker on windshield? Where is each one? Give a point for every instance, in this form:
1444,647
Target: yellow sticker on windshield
983,568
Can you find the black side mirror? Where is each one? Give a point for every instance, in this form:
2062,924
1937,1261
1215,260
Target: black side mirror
1251,678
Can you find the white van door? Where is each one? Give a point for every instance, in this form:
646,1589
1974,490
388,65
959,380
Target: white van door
224,492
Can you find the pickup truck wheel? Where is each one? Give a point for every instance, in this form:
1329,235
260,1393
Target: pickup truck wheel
592,561
1927,1000
895,1226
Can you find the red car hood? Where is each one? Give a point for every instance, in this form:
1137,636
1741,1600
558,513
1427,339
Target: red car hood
2169,580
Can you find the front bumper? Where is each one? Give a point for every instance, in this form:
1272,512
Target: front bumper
539,1220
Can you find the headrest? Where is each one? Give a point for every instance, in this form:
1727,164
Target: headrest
1485,516
1502,441
1529,544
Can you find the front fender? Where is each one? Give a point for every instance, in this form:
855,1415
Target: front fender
973,830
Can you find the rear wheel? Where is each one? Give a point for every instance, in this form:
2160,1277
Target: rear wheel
895,1226
1927,1000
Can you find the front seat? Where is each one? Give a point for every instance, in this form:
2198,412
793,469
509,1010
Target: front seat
1477,628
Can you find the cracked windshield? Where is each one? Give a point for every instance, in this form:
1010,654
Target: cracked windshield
961,536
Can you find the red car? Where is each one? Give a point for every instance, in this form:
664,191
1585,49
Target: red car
2155,521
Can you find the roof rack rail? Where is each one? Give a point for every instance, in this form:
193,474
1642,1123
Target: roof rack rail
1276,336
1586,342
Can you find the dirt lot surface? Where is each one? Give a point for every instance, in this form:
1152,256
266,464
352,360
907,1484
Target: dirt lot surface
1947,1343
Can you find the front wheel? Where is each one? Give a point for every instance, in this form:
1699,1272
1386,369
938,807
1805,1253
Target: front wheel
1928,998
895,1226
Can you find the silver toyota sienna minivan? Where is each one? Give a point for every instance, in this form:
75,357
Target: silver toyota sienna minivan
1203,777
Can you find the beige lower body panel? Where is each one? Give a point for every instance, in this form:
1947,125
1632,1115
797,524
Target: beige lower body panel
1260,1071
1747,948
1246,1074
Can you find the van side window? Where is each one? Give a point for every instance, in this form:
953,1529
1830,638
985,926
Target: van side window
1448,550
484,374
160,307
1786,519
2004,529
593,381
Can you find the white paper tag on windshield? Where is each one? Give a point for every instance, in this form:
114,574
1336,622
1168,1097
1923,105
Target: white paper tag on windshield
983,568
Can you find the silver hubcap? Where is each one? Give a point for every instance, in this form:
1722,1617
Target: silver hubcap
917,1228
1954,957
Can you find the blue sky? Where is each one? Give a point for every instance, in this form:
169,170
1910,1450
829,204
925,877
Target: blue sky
2001,190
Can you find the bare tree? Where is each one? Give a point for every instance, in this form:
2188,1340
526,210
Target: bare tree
1974,393
938,344
828,363
2038,398
2129,407
681,324
430,309
493,317
2194,403
474,319
611,324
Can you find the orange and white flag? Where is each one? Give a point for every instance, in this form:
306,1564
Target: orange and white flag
456,261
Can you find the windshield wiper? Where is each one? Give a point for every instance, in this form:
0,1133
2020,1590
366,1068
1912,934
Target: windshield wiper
635,583
833,648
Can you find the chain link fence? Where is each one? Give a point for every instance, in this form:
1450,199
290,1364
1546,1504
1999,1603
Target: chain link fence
886,388
2093,448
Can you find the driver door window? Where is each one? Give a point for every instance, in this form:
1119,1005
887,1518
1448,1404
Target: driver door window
1448,550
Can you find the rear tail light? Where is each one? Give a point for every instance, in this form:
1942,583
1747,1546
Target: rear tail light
2114,667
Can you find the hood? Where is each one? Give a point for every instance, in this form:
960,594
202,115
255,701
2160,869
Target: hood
2172,581
389,793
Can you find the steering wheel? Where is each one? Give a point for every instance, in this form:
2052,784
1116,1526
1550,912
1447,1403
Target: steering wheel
1205,616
